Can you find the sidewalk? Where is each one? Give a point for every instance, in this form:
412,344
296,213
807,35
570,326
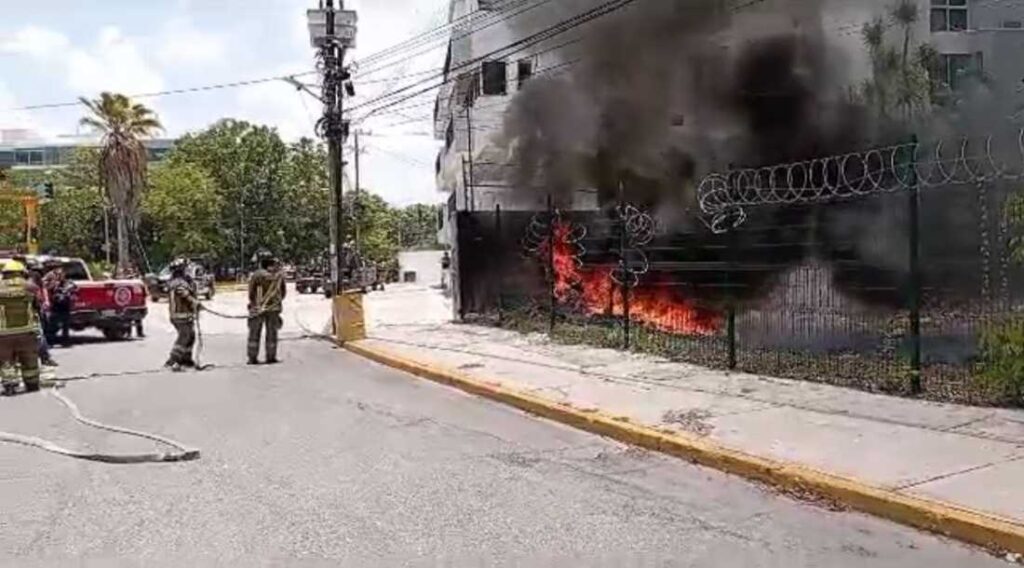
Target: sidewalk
968,457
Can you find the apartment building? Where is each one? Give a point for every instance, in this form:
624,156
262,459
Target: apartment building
483,73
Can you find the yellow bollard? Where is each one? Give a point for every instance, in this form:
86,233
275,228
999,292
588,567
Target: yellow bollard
349,324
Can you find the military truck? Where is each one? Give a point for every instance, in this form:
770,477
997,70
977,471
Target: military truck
359,274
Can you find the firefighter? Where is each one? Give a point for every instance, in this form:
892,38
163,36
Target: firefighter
18,326
266,296
184,305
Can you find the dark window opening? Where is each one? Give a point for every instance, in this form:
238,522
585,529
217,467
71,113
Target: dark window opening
949,15
495,79
959,67
524,70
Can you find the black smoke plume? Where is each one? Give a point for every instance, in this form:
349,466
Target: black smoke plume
667,91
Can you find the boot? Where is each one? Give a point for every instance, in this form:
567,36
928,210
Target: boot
31,387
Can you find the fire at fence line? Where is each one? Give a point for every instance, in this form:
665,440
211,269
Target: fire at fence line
893,269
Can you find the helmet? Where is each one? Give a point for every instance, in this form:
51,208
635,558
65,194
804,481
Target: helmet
12,267
178,265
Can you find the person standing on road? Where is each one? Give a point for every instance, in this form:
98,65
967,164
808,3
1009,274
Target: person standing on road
18,326
41,306
61,292
266,298
184,305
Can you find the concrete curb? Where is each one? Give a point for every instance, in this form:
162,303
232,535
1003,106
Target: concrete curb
946,519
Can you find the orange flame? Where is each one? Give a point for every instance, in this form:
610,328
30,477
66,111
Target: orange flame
598,294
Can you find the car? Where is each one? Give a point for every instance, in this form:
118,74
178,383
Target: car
205,285
111,306
309,282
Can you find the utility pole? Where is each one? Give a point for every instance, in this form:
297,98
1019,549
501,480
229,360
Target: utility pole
356,203
333,126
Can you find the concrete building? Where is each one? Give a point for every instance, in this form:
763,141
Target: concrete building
22,149
421,267
483,73
971,36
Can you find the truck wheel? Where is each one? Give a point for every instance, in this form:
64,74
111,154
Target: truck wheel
300,289
116,333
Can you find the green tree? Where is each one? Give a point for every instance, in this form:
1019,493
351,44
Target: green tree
72,222
417,227
307,203
248,164
375,220
123,157
899,84
182,212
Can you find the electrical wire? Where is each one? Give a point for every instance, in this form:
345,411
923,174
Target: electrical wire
569,24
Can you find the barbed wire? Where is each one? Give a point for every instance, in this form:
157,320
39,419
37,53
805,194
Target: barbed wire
723,197
639,229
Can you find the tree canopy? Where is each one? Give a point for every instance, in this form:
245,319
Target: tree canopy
226,192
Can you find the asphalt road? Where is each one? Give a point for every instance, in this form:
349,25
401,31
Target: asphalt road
329,457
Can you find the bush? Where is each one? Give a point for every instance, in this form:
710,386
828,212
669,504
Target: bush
1002,360
97,268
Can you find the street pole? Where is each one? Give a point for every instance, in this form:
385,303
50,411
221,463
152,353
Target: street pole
357,214
335,130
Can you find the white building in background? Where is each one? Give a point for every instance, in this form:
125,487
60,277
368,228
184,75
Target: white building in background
421,267
970,36
482,76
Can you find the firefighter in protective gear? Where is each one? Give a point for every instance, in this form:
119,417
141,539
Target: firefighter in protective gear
18,326
184,307
266,296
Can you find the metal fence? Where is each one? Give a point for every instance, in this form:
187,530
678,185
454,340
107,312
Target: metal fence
891,270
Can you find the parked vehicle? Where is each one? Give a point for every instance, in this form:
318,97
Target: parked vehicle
309,281
111,306
205,284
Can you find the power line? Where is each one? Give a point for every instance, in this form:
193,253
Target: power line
514,47
186,90
506,14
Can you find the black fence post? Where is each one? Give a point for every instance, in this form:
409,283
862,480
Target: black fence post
500,241
552,236
624,273
731,309
914,198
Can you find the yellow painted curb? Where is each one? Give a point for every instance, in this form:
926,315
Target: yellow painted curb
946,519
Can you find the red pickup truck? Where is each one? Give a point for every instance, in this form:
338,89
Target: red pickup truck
112,306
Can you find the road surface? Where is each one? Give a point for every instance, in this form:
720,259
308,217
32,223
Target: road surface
329,457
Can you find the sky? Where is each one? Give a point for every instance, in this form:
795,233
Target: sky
54,51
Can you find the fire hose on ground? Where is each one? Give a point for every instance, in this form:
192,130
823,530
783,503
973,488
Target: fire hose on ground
181,452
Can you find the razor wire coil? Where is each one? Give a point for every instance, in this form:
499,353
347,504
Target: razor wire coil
724,197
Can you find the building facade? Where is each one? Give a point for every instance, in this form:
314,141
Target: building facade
485,68
26,153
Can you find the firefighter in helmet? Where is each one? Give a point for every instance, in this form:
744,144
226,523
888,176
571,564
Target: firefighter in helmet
18,325
184,307
266,298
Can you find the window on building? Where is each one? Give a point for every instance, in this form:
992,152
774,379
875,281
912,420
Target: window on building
449,134
959,67
949,15
524,70
495,77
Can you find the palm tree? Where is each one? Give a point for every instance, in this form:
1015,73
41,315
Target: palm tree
123,158
904,14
